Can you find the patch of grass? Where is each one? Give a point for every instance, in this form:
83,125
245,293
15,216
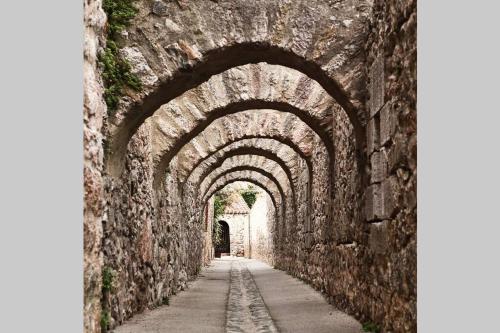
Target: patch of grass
116,72
165,300
371,327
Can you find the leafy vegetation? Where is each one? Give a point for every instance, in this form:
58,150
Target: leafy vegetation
220,202
371,327
107,279
107,284
249,195
104,320
116,70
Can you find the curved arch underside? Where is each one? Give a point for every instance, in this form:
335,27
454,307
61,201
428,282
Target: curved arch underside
239,89
286,154
252,176
253,156
251,124
248,172
251,181
249,162
252,97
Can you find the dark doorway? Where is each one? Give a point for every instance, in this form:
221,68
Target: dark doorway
223,247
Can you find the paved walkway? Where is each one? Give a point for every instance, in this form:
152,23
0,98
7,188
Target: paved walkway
244,295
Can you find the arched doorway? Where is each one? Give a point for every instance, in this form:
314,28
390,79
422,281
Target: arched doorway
223,247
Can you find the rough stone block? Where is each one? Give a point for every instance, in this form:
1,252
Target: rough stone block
377,83
159,8
308,240
388,197
372,141
387,123
380,201
378,167
373,202
395,154
307,222
378,237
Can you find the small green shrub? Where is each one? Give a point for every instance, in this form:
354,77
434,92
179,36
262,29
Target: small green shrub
249,195
220,202
165,300
104,320
216,233
371,327
107,279
120,13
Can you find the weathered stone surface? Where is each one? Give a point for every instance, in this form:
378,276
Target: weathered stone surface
94,111
159,8
393,33
378,167
387,123
372,133
377,84
379,237
139,65
373,202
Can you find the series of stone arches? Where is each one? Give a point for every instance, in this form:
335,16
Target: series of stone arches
176,118
275,97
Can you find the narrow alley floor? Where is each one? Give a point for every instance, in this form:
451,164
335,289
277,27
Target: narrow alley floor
244,295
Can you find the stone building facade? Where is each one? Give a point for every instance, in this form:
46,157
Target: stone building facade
249,228
313,101
236,215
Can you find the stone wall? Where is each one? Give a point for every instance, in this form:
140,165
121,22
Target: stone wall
208,220
392,147
238,233
363,256
94,111
153,243
261,219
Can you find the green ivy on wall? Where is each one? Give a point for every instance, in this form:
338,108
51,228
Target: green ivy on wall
116,72
249,195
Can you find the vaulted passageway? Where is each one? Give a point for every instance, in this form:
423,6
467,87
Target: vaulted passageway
311,102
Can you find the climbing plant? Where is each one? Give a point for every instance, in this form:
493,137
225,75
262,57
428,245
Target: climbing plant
116,72
249,195
221,200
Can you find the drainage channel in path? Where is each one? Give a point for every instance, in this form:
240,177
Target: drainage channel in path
246,310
